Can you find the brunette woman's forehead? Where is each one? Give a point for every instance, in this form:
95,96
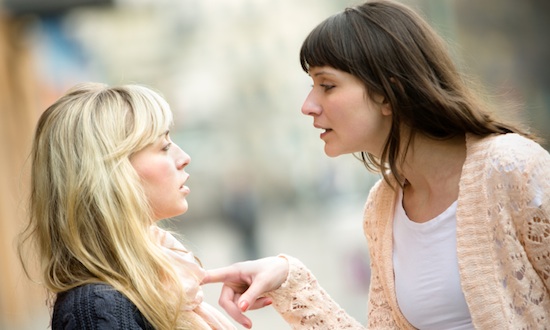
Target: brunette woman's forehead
316,71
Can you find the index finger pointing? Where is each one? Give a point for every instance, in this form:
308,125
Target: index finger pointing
218,275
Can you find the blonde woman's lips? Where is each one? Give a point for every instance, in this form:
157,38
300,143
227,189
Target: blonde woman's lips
185,189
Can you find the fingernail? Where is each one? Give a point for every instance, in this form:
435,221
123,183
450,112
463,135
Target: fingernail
268,302
243,305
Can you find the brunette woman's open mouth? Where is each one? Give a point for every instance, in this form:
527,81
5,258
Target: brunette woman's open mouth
326,131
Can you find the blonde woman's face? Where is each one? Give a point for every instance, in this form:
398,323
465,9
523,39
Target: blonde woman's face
161,167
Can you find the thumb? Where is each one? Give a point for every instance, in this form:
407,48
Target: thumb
243,305
251,295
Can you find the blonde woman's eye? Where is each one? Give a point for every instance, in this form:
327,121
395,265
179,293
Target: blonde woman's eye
167,147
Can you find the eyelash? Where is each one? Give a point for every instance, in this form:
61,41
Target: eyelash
327,86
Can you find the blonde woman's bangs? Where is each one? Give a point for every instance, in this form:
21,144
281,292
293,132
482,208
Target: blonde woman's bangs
149,117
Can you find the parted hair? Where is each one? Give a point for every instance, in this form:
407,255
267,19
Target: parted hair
397,55
89,217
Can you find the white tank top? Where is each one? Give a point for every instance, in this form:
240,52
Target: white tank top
427,281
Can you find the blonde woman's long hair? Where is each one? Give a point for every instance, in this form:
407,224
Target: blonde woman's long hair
89,218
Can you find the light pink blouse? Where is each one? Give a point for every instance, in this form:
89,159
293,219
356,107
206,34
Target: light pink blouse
191,275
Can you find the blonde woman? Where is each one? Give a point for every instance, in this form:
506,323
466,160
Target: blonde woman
104,172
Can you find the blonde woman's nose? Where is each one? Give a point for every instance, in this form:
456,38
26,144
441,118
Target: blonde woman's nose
182,159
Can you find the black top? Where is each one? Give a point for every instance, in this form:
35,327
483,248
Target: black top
96,307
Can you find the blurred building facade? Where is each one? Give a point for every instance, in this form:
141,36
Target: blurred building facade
230,71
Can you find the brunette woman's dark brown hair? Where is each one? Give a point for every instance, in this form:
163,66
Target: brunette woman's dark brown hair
397,55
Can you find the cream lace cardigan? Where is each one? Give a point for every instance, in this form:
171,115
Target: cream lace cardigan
503,246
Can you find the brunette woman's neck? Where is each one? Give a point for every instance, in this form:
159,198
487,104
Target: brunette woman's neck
432,170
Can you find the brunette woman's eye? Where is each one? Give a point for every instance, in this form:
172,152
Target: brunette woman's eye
327,86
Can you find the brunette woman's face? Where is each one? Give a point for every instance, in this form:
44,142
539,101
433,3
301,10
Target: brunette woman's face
161,167
350,120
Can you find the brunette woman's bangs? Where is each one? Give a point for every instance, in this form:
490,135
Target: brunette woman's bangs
325,46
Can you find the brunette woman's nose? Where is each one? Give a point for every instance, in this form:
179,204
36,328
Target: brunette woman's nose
310,106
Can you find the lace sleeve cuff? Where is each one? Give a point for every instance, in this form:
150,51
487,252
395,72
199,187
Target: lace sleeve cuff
305,305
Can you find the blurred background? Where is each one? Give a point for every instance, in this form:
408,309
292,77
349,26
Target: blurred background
261,184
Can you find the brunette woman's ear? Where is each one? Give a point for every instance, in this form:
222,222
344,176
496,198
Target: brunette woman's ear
386,107
379,98
383,102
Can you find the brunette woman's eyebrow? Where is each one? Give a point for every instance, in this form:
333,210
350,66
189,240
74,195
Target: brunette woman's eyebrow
322,73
